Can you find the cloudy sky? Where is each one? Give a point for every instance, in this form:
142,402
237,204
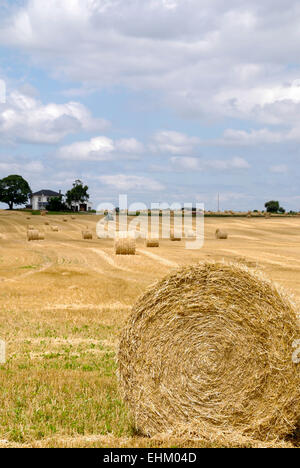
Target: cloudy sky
165,100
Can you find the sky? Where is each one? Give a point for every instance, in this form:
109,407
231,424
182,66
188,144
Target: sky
163,100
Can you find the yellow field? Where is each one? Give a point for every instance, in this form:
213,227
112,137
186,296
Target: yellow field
63,304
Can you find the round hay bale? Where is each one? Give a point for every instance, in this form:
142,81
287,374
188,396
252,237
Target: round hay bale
152,243
41,236
44,213
30,227
175,236
208,351
87,235
54,228
125,246
47,223
32,235
221,234
65,220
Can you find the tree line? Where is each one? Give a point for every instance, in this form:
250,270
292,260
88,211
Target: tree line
16,191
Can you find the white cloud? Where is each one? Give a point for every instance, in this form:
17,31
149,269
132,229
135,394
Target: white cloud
223,59
131,182
100,148
26,167
173,142
26,119
129,145
96,149
190,164
279,169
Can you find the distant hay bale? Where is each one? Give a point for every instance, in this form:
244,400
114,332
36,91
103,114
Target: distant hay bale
249,214
207,352
87,235
33,234
73,217
152,243
125,245
28,218
30,227
47,223
54,228
221,234
44,213
41,236
267,215
65,220
175,236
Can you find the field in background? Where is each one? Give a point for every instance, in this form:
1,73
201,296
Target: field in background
63,305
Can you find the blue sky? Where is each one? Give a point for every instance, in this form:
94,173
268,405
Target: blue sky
164,100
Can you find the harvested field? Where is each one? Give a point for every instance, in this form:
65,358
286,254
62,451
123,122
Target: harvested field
64,304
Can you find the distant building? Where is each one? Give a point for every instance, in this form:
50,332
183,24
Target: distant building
40,200
79,206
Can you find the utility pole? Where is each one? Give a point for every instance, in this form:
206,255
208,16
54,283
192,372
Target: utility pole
218,203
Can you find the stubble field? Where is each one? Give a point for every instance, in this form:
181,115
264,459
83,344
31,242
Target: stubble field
63,303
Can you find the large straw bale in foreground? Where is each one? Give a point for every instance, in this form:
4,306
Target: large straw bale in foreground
125,245
208,352
221,234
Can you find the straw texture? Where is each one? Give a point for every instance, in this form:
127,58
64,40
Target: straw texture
150,243
125,246
87,235
33,234
207,352
221,234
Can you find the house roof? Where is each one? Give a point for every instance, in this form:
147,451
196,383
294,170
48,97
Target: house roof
47,193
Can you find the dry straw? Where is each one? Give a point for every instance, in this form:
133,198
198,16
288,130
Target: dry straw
207,352
33,234
175,236
87,235
125,243
190,233
151,242
221,234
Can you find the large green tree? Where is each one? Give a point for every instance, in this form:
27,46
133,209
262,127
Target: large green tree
78,194
56,204
14,190
274,207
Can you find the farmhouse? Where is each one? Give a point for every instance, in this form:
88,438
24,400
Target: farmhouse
79,206
40,200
